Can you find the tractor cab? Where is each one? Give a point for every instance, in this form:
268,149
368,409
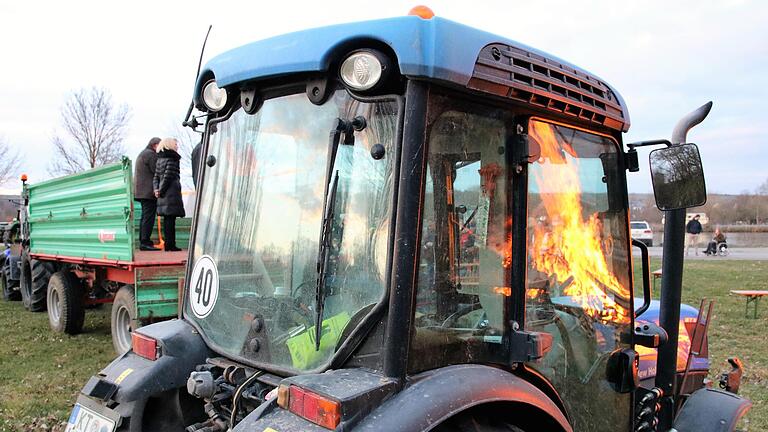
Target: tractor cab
404,224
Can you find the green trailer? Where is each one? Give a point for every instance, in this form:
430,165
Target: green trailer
81,249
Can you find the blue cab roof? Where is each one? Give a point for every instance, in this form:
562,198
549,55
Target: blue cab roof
436,49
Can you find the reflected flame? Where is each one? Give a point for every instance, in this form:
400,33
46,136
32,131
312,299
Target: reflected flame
570,249
683,348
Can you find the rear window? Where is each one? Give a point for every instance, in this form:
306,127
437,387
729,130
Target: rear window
638,225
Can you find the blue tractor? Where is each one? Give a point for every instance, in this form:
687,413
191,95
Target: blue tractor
413,225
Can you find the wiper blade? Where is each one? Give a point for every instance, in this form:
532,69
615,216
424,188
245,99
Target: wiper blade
323,258
329,198
347,128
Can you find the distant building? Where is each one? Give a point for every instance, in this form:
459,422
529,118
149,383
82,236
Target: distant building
703,219
7,207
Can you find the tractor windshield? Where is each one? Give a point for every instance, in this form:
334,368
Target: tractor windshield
255,260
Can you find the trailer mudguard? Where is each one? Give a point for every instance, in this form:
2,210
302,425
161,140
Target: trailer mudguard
130,381
711,410
437,395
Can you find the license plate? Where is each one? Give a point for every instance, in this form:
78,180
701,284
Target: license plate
84,420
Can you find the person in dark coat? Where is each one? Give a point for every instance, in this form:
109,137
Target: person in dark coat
167,185
196,162
143,192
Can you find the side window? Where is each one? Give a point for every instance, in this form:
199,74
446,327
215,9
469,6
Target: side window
578,288
465,242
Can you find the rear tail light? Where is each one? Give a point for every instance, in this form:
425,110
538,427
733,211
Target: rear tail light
309,405
145,346
647,231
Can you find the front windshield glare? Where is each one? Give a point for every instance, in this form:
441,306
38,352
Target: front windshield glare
260,219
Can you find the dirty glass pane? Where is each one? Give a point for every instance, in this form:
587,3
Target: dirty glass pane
578,271
465,239
260,219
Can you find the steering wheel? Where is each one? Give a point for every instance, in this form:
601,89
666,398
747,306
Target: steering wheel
462,311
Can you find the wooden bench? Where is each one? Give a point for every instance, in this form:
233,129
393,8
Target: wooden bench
753,296
656,275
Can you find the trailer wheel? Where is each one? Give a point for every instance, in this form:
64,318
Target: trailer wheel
66,313
123,319
35,275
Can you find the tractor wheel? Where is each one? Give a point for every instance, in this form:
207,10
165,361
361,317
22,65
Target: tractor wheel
34,282
10,288
124,320
469,422
9,293
66,312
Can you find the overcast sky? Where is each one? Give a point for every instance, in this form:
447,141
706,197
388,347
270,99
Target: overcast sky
665,57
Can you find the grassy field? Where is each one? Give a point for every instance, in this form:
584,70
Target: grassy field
42,372
730,332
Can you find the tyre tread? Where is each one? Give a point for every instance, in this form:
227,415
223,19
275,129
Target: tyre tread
71,296
41,275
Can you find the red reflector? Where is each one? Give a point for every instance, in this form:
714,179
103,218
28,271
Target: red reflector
144,346
315,408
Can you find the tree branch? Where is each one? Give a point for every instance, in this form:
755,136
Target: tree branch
94,132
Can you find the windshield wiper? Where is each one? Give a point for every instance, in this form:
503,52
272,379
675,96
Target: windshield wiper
346,128
323,258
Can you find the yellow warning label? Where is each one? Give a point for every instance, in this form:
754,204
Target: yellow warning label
269,429
123,375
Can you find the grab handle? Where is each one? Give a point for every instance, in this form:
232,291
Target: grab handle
646,267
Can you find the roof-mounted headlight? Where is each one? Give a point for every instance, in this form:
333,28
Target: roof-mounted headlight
214,98
363,70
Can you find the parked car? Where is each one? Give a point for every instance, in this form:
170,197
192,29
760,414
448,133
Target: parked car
641,230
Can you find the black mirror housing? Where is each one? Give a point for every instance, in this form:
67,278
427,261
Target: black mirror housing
678,177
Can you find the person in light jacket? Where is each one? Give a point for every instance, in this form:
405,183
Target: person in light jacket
167,185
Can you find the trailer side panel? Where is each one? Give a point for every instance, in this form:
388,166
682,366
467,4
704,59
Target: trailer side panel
86,215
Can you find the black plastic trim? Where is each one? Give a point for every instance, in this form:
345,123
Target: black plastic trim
454,389
711,410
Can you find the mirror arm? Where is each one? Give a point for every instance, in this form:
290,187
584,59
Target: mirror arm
633,145
631,160
646,266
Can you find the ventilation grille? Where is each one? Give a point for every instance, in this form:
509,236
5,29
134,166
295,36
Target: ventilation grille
528,77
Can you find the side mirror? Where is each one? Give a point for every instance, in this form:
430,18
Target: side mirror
678,177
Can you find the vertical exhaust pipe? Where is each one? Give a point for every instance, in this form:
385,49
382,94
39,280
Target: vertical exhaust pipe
671,283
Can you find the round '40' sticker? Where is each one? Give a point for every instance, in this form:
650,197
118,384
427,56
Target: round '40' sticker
204,287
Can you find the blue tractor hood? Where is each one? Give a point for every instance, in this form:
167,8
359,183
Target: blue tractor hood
435,49
648,356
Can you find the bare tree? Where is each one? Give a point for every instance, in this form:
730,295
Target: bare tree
9,162
761,202
94,132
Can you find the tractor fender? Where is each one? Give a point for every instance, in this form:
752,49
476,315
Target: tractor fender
137,378
711,410
122,390
127,386
433,397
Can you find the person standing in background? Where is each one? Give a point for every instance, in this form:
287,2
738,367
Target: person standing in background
167,189
692,229
143,192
